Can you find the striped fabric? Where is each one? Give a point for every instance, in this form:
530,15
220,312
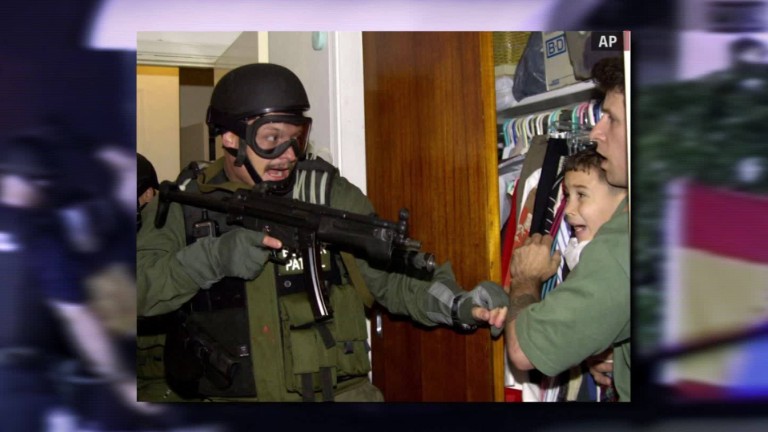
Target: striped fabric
561,232
311,185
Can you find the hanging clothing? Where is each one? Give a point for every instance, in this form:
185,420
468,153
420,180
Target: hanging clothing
557,149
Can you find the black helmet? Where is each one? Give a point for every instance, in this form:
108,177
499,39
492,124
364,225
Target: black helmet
253,90
146,175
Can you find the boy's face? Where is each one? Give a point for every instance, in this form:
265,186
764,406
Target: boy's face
590,202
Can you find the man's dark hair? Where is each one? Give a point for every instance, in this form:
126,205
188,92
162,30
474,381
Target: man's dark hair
586,160
608,73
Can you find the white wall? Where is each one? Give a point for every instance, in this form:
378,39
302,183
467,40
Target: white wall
333,77
347,88
294,51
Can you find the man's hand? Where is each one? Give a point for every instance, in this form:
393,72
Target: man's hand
239,253
534,261
600,365
496,317
490,305
531,265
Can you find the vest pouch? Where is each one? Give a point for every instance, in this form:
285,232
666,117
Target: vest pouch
308,355
228,328
304,348
348,326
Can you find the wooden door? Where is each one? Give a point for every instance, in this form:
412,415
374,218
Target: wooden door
431,147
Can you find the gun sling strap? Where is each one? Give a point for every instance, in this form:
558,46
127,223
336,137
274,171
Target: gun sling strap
357,279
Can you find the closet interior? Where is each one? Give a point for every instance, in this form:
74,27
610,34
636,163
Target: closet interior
546,105
448,137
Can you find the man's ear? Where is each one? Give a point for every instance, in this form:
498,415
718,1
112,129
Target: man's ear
230,140
147,196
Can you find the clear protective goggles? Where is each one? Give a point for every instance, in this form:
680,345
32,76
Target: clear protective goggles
271,135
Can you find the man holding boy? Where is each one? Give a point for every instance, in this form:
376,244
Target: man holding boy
563,329
590,203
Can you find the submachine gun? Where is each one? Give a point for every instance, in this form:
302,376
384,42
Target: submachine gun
302,227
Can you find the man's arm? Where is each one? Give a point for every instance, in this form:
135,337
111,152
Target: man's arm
427,302
531,265
585,314
163,286
522,298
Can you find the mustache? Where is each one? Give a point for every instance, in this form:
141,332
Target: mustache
281,165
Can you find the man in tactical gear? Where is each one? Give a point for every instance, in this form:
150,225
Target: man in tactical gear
244,326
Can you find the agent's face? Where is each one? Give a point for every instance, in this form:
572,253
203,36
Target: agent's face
273,134
590,202
275,169
610,134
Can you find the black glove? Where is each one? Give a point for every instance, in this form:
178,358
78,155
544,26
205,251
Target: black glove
486,294
449,304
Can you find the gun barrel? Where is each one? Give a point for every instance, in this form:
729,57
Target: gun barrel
423,261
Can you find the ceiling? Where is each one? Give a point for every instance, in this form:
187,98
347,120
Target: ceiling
191,49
